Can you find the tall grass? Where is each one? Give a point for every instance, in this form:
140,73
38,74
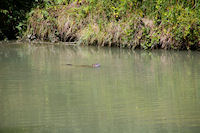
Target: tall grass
146,24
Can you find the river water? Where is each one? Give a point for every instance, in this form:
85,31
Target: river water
132,92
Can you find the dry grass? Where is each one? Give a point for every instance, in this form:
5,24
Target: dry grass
73,23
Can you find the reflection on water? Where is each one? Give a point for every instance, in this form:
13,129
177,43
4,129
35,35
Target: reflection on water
132,92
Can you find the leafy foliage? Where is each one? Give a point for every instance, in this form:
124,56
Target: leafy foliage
146,24
13,16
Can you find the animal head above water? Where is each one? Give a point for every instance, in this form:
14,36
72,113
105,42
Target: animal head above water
96,65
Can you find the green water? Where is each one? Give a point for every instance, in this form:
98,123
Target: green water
132,91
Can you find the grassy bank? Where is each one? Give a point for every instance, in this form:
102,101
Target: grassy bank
173,24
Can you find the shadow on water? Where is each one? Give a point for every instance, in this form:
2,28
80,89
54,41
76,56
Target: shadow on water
133,91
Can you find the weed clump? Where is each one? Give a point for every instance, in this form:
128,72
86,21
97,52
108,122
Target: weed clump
123,23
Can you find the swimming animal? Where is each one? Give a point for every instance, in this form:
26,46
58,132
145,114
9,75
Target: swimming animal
93,65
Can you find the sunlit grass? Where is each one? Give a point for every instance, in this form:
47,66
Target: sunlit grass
122,24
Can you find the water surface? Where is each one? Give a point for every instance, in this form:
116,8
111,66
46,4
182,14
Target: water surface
132,91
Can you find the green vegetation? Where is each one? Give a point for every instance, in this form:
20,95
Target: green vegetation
146,24
13,17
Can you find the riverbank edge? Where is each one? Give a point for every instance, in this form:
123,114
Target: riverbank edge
77,23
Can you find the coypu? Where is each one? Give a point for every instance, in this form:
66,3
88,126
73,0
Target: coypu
93,65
